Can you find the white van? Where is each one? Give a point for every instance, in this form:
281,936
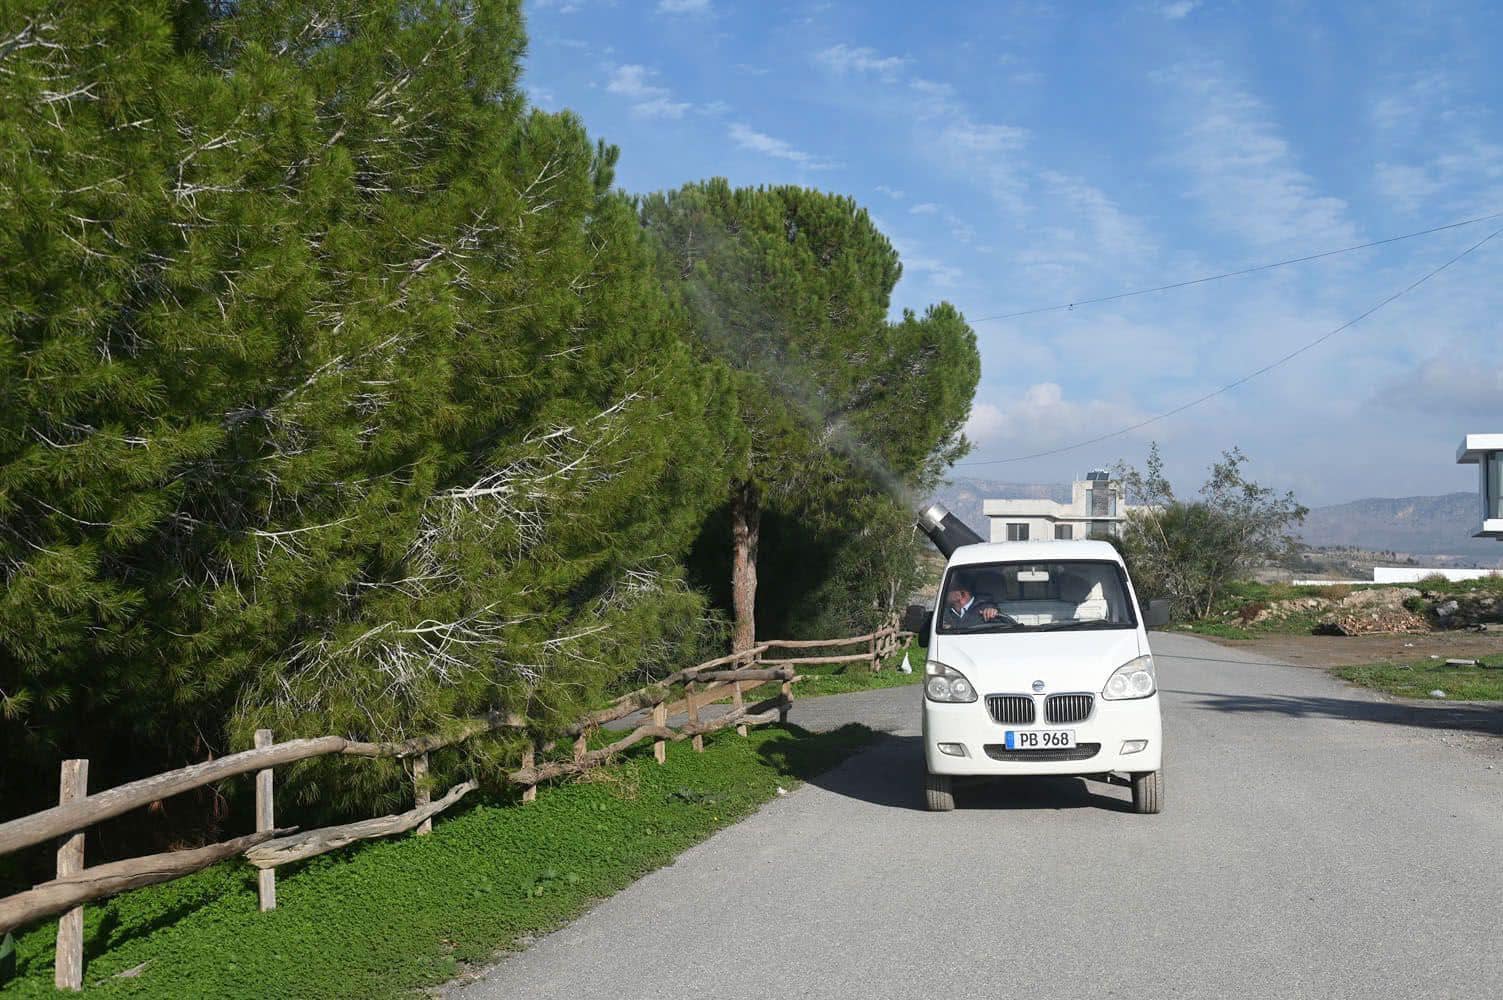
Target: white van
1038,663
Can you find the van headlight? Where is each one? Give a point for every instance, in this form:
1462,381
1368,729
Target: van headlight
946,684
1134,679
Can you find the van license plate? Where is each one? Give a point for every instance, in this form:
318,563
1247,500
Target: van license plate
1040,739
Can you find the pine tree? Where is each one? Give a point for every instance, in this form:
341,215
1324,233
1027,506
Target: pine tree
791,288
340,393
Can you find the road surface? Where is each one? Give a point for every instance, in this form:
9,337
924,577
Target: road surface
1317,842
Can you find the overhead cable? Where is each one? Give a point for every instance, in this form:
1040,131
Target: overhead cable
1251,375
1235,274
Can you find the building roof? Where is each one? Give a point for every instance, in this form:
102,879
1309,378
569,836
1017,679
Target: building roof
1474,446
1044,551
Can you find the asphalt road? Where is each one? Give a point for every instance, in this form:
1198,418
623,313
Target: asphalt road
1317,842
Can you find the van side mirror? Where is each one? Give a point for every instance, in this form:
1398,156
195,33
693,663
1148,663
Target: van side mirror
917,620
1157,615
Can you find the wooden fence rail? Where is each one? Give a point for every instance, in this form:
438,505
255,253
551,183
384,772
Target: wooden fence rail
685,692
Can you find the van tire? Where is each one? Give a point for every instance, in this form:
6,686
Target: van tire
939,796
1148,792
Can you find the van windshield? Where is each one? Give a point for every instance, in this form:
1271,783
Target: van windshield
1035,597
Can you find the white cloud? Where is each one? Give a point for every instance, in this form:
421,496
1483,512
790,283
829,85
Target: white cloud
660,107
683,6
940,274
1439,148
649,100
893,193
1112,232
760,142
977,137
1243,172
924,208
843,58
1450,387
631,81
1179,10
1041,417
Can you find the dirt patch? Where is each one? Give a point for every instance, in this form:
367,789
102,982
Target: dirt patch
1326,651
1475,727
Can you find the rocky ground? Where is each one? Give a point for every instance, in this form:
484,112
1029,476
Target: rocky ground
1327,651
1384,611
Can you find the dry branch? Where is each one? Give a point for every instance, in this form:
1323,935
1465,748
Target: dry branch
752,714
815,643
529,776
112,879
749,674
76,815
423,744
850,658
286,850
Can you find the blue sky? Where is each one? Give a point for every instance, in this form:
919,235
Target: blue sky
1025,154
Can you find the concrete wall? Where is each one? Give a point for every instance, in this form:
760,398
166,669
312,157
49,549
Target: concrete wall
1406,574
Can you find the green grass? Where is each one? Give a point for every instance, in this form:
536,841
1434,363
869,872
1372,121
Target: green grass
845,678
390,917
1233,628
1484,682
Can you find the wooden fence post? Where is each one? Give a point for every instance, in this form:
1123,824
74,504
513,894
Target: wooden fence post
737,702
68,966
691,706
422,792
787,691
266,878
530,759
660,745
875,649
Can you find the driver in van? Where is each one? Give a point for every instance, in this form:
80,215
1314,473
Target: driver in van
962,607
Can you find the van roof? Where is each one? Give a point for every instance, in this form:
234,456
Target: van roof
1045,551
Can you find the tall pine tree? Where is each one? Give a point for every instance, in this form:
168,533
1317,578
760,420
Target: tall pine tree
849,413
338,391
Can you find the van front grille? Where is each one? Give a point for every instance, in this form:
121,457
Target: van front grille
1063,708
1084,751
1011,709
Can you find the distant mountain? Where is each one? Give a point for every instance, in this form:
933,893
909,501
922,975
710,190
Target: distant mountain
1418,526
963,496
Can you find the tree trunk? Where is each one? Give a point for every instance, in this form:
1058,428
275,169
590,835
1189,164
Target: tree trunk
746,527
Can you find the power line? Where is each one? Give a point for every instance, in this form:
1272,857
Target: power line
1236,274
1251,375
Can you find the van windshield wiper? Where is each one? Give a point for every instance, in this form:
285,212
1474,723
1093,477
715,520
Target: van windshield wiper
1081,623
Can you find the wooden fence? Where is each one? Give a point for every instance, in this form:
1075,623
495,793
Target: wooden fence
686,693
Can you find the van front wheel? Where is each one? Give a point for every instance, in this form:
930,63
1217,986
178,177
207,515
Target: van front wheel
1148,791
938,795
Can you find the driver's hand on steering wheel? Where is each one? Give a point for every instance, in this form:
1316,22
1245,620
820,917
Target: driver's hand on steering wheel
988,614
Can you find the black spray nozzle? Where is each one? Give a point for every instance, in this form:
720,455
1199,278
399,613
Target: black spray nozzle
945,530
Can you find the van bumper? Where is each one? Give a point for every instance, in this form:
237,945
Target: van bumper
1110,725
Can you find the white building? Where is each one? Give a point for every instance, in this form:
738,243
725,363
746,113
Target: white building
1095,510
1486,452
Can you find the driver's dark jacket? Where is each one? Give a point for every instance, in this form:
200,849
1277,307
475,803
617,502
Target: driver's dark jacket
949,619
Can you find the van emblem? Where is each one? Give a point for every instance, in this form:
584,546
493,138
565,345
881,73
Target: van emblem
1038,686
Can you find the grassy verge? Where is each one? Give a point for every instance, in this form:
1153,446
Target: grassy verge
1294,624
844,678
390,917
1484,682
847,678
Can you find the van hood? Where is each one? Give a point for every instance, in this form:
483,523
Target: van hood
1007,662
